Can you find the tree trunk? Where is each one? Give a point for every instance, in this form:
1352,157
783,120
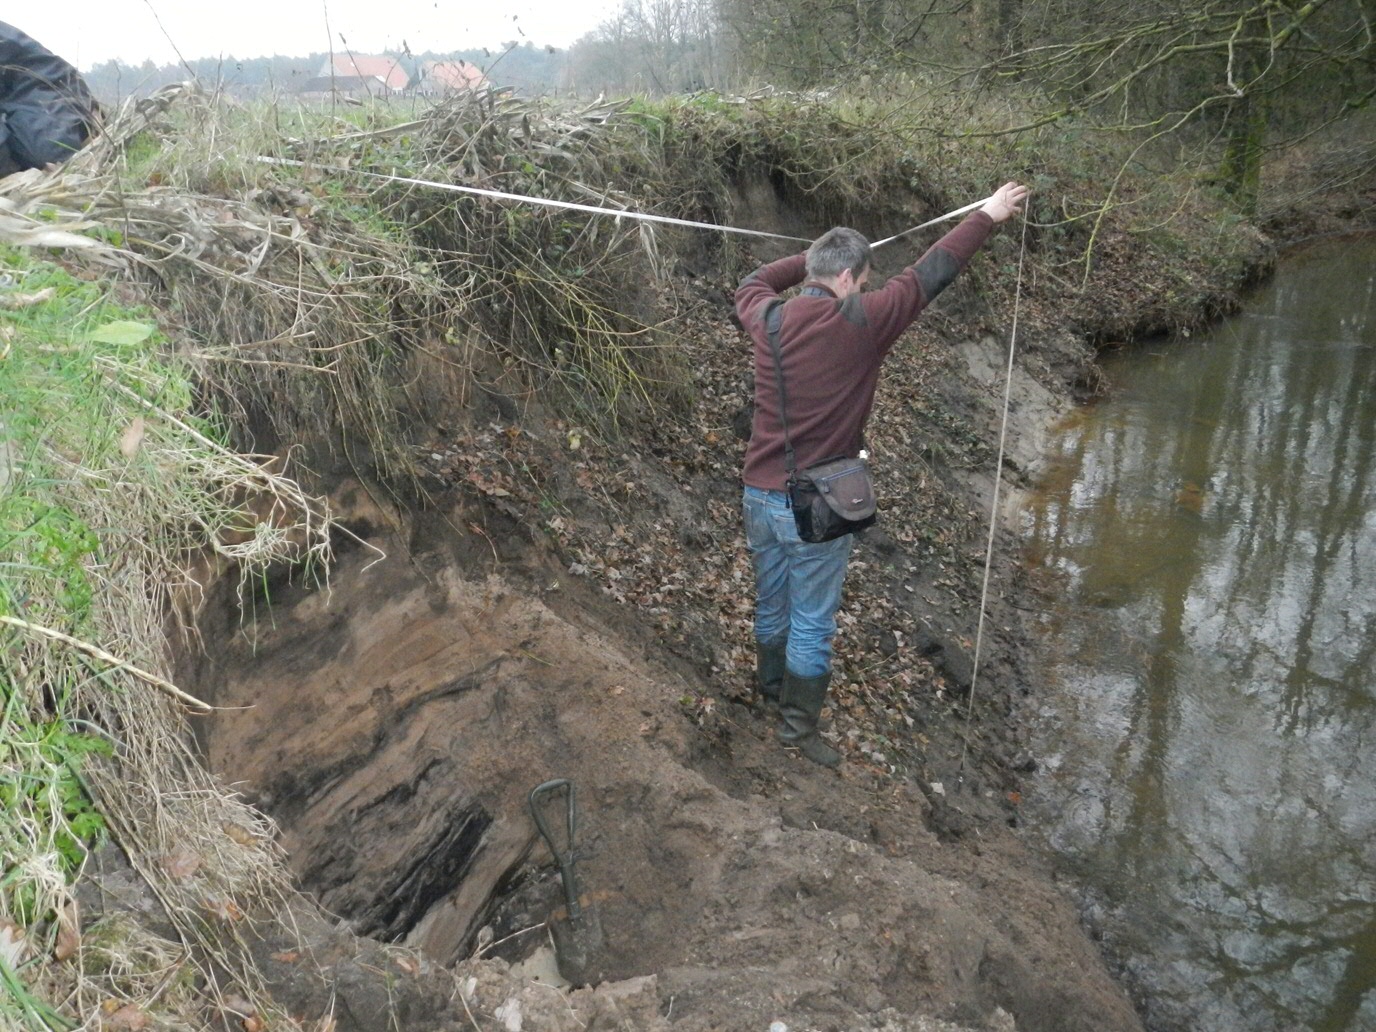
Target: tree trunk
1241,169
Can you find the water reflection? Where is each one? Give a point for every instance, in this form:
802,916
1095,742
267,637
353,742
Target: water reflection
1208,537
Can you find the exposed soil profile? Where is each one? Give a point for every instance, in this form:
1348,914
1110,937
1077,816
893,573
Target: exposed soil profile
395,721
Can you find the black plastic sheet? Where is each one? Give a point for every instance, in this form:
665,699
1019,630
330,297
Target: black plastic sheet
46,111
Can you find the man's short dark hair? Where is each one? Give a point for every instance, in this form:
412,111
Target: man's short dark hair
837,250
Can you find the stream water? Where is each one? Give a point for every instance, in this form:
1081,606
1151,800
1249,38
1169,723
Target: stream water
1205,538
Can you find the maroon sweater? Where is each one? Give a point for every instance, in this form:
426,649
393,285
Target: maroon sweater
832,350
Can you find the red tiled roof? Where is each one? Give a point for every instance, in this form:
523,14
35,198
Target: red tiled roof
454,75
384,69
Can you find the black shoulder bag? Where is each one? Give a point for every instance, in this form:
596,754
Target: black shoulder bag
833,497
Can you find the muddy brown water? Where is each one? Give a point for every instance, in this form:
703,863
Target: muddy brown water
1206,539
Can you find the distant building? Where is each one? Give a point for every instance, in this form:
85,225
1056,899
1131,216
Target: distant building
441,77
358,75
323,86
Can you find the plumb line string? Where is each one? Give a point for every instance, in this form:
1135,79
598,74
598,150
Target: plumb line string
994,503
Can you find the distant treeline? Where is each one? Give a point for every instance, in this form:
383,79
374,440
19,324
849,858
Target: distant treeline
524,67
1222,81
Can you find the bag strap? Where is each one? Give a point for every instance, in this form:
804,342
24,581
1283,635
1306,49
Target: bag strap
773,321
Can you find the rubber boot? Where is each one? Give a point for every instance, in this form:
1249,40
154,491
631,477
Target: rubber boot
800,706
770,663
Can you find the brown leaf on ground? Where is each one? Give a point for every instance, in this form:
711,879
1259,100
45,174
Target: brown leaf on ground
11,942
68,933
239,1007
223,908
180,865
132,438
240,834
122,1016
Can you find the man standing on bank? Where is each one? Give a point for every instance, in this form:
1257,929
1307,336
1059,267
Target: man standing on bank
833,340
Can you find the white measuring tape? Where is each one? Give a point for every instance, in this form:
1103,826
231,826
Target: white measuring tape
592,209
931,222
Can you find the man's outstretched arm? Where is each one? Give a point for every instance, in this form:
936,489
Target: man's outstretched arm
890,310
766,283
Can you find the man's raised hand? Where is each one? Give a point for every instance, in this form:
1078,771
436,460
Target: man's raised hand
1005,202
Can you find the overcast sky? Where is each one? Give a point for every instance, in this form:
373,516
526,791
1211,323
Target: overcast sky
87,32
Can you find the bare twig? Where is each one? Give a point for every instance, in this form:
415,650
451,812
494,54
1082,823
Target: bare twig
96,652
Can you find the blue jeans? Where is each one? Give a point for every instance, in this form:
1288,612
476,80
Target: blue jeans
797,584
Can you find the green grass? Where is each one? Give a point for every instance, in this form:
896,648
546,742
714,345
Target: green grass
111,484
58,423
56,420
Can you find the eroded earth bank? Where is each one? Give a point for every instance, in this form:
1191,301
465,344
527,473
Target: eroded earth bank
561,607
552,602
